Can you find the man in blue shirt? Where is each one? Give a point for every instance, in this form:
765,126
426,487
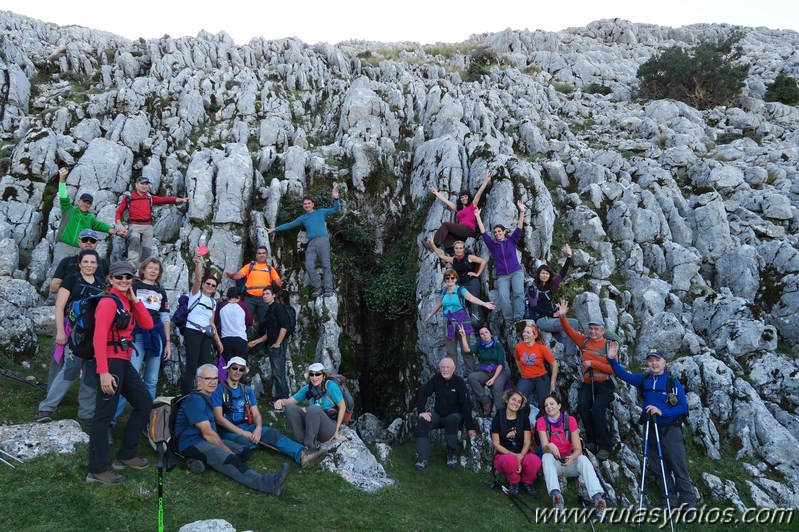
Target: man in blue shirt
238,418
663,399
318,241
199,442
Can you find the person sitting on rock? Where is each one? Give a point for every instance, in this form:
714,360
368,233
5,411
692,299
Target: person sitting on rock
563,455
451,408
541,303
596,388
530,355
465,227
665,402
491,369
238,418
318,241
510,275
322,420
75,219
200,444
511,436
139,203
259,275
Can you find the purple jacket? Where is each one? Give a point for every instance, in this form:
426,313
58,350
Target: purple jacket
504,252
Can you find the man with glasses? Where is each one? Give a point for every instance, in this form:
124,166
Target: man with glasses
87,239
75,219
200,443
238,418
139,205
597,387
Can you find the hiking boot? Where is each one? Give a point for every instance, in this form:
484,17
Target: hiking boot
44,416
557,504
603,454
420,465
106,477
452,459
529,490
309,459
280,479
195,466
85,423
599,509
591,446
513,490
137,462
316,293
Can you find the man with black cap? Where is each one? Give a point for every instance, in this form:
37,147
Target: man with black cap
87,239
664,400
238,418
74,219
139,205
596,388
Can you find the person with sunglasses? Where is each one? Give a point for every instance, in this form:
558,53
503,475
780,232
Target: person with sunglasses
75,287
113,338
74,219
69,265
315,424
453,299
510,274
200,333
238,418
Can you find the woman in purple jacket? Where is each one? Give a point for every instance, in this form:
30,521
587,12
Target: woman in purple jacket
510,275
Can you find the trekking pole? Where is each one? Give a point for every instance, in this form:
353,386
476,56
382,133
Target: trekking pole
643,467
9,464
160,466
587,503
663,471
521,505
9,455
591,376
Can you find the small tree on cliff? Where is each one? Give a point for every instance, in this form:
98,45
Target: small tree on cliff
783,90
703,76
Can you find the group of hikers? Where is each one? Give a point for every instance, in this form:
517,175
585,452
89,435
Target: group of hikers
218,422
559,448
122,312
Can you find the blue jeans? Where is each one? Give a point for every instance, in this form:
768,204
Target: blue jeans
539,384
151,367
512,306
270,437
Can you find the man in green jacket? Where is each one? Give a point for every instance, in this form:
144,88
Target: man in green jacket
75,219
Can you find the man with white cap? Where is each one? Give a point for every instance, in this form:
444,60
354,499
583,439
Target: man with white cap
238,418
139,205
597,387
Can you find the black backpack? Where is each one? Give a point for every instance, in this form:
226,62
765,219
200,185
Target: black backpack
292,315
81,318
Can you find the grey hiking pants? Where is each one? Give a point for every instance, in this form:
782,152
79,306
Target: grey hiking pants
230,464
70,371
319,247
311,426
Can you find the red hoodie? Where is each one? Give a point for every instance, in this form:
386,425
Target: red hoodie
105,331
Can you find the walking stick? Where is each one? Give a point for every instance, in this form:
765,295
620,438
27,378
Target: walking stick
663,471
160,465
643,468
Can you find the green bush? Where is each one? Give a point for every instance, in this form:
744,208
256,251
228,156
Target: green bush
704,76
784,90
597,88
482,58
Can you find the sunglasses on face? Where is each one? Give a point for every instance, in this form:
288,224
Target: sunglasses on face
450,278
237,368
123,277
88,240
212,285
315,374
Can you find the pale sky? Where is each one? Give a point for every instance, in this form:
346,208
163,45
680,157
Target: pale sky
426,22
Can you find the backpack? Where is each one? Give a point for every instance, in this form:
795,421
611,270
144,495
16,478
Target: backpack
349,401
127,195
161,427
291,312
183,310
566,431
80,314
241,284
503,427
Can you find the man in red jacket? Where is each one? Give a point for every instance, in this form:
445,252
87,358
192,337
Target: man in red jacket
139,205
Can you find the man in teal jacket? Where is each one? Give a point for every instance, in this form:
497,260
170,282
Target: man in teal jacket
318,241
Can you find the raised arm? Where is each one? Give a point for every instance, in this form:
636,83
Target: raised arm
482,188
480,225
437,251
443,199
520,205
198,273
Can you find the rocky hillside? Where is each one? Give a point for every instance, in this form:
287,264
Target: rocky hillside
683,221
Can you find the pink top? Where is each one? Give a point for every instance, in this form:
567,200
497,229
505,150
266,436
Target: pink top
466,216
558,436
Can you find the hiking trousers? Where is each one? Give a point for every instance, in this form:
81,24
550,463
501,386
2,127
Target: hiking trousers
450,423
681,490
592,405
140,243
580,468
230,465
270,438
310,426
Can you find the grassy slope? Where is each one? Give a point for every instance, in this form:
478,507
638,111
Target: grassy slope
50,493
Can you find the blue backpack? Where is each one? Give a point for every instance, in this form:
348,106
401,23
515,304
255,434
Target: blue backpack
81,317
